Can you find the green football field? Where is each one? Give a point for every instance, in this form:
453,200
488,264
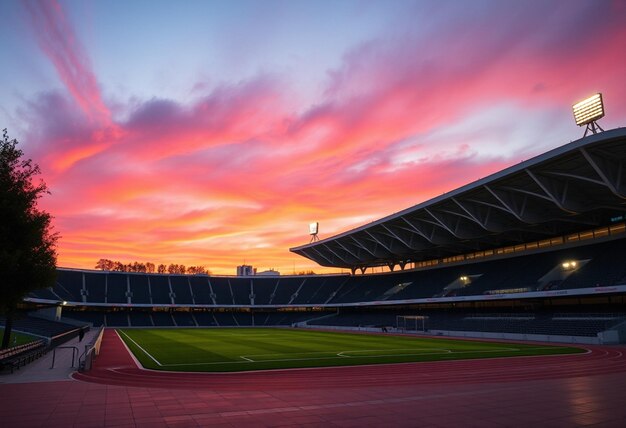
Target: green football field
241,349
18,338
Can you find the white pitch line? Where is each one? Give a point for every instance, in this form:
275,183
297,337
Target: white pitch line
295,353
336,356
356,351
139,346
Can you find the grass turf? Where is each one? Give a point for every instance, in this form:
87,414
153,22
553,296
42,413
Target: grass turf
242,349
18,338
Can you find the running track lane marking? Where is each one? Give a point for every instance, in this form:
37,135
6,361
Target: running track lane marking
139,346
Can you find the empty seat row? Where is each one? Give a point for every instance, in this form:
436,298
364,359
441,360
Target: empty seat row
600,264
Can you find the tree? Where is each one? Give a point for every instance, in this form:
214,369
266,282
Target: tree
104,264
27,243
196,270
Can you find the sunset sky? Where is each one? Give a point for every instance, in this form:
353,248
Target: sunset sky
212,132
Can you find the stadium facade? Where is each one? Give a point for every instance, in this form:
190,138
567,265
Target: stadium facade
537,248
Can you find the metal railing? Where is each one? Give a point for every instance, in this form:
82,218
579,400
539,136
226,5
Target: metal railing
86,359
74,354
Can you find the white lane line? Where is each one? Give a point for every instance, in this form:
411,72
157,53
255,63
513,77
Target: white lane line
140,347
247,359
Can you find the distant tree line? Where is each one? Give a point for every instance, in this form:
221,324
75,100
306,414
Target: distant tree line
115,266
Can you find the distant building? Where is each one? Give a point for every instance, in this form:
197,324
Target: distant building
245,270
270,272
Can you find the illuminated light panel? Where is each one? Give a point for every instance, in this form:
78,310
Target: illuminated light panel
588,110
314,228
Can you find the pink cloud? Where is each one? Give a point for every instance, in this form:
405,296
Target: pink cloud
58,41
237,174
91,129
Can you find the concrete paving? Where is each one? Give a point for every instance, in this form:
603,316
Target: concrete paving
40,370
546,391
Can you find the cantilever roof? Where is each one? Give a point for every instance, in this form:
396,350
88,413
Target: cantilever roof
577,186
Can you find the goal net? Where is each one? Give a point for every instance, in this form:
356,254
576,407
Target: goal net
408,323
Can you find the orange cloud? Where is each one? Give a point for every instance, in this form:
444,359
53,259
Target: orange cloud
237,174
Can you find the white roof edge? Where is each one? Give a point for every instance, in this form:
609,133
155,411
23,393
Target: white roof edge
551,154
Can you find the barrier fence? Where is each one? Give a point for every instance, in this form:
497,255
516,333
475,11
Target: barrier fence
85,361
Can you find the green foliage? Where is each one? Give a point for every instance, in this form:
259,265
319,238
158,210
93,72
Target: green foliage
27,244
174,269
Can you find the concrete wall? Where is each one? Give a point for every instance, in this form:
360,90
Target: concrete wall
477,334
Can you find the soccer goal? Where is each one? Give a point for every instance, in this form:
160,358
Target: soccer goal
408,323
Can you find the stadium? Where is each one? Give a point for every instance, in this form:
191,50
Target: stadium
498,303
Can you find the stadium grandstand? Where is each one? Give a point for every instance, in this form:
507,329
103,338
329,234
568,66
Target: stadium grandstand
503,267
545,238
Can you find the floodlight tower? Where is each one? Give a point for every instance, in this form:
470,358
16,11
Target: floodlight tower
313,229
588,111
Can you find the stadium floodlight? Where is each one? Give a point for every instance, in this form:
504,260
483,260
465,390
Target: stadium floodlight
313,230
569,264
587,111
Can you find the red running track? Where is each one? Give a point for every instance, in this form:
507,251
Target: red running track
115,366
571,390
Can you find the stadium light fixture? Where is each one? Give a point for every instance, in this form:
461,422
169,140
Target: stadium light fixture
313,230
588,111
569,264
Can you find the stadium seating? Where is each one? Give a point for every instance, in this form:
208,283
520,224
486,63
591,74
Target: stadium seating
184,319
18,356
597,265
117,288
319,289
205,319
45,294
139,289
160,289
95,285
163,319
140,319
96,318
201,290
69,286
39,326
222,291
264,290
241,289
286,289
224,319
181,289
117,319
547,323
243,319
